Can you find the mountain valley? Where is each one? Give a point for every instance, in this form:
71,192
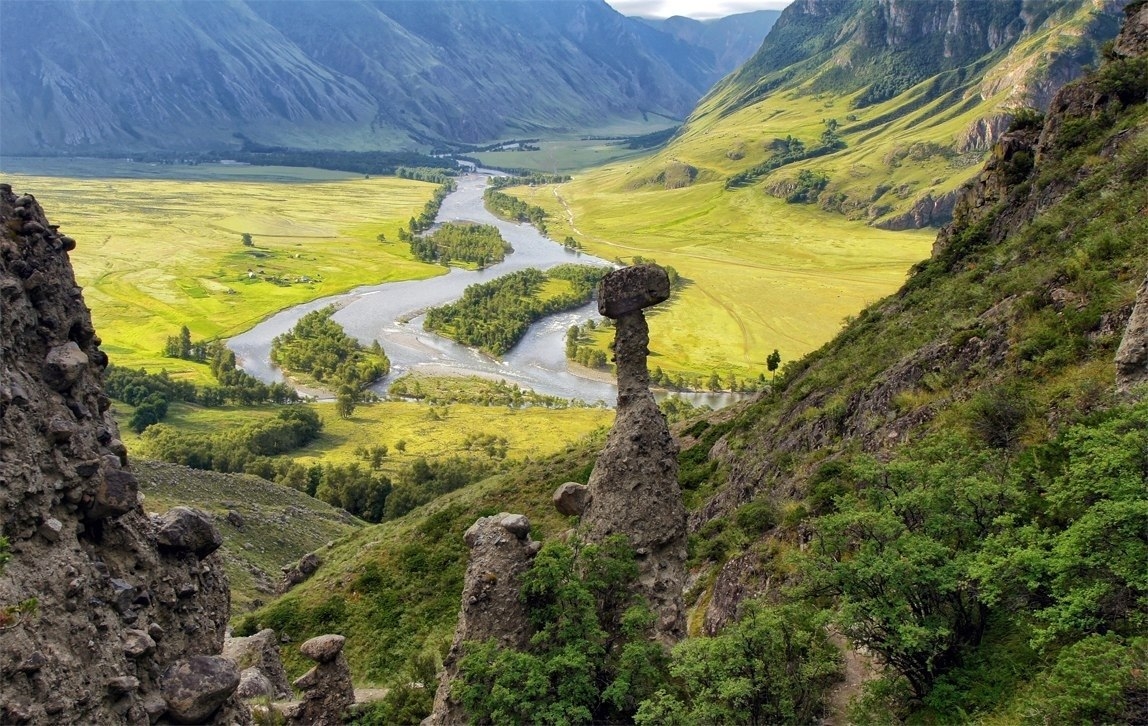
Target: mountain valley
902,246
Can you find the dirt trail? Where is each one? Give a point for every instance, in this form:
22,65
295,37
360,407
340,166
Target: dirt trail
859,669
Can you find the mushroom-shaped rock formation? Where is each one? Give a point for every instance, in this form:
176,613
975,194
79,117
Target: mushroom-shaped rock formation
327,688
634,486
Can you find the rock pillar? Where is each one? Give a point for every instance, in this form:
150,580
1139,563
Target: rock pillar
634,486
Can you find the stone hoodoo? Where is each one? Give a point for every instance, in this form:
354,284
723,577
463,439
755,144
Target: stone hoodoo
1132,355
327,688
633,489
106,615
259,653
500,552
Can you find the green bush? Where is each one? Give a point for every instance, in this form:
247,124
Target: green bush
590,658
1093,681
774,665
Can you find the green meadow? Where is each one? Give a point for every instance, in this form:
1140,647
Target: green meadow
155,254
761,274
425,431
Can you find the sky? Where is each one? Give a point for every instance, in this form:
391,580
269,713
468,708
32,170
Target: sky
699,9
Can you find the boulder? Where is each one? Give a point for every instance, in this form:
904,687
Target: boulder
254,684
323,648
187,529
116,493
64,365
137,644
572,498
631,289
195,688
260,651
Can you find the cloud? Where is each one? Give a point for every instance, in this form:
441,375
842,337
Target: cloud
700,9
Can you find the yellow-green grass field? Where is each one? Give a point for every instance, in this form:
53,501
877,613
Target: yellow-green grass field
562,153
530,432
155,254
762,274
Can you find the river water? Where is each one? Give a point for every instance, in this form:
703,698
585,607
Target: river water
391,313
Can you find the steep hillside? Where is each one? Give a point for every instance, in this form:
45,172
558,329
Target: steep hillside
971,438
315,74
892,105
265,526
733,39
956,482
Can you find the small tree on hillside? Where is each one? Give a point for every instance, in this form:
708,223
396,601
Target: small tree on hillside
772,361
247,240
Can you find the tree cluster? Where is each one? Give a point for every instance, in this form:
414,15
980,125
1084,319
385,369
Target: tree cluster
495,315
477,391
319,347
501,182
787,151
580,348
425,173
477,244
152,393
508,207
922,555
426,218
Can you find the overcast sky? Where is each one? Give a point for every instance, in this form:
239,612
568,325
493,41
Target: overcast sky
700,9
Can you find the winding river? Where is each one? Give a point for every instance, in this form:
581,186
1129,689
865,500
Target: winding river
392,314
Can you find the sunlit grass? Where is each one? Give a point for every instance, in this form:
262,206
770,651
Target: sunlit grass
761,274
426,431
155,254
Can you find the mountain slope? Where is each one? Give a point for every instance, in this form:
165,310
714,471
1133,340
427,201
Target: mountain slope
894,103
733,39
129,75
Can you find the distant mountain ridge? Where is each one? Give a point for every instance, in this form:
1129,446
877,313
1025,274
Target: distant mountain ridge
355,74
733,39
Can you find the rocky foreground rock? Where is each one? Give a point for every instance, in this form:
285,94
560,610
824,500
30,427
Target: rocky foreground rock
500,553
106,616
327,689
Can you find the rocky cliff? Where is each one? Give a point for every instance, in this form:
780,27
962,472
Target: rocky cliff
107,615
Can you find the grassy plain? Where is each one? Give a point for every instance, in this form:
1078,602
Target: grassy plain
155,254
430,432
761,274
564,153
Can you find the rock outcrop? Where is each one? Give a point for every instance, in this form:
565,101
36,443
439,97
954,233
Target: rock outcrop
98,612
259,652
327,688
634,485
500,553
1132,355
298,572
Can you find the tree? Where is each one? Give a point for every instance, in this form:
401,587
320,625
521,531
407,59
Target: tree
345,401
185,343
772,361
247,240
